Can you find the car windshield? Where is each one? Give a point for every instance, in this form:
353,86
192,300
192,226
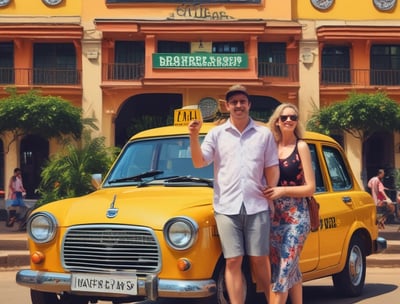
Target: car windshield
155,159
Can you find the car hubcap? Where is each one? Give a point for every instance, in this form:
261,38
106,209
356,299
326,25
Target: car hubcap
355,265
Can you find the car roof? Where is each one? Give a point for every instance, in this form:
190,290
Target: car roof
207,126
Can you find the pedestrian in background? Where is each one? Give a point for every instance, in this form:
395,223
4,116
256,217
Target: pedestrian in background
245,161
291,221
384,205
16,193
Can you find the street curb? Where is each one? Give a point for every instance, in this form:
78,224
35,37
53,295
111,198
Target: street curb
14,250
389,258
384,260
12,259
18,244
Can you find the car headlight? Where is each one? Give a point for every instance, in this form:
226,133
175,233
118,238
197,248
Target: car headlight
42,227
181,232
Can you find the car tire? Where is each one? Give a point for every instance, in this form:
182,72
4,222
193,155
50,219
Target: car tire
249,287
40,297
350,281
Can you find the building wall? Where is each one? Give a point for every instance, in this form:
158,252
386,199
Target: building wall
361,10
140,21
94,27
33,8
273,10
357,24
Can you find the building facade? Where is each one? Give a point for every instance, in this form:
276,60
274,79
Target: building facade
131,62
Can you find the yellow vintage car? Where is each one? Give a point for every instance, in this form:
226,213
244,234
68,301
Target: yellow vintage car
149,229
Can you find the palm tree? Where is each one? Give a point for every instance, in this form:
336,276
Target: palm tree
69,173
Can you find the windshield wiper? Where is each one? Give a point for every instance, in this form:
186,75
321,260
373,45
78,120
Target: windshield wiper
138,177
190,179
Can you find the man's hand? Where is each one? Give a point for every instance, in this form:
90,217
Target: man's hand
194,127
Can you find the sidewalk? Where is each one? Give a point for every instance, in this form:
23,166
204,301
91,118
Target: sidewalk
14,248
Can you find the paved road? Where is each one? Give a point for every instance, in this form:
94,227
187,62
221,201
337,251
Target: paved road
382,286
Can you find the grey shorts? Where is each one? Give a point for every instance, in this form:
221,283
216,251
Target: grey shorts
243,234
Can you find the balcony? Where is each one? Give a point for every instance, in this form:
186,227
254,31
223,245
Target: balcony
275,72
40,76
359,77
123,71
283,71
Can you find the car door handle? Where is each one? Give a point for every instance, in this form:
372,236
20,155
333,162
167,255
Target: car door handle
346,199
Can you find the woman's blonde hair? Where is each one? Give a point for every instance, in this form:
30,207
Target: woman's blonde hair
273,120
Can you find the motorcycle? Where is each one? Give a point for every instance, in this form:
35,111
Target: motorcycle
19,215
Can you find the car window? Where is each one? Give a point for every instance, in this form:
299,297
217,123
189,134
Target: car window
319,182
337,170
170,155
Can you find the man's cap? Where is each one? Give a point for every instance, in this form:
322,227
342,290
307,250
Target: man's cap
236,89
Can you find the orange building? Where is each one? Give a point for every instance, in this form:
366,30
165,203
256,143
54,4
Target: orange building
355,47
131,62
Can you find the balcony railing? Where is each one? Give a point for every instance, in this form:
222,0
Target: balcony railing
284,72
40,76
7,76
289,72
359,77
56,76
123,71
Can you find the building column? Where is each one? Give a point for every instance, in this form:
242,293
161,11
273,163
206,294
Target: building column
92,97
309,97
11,158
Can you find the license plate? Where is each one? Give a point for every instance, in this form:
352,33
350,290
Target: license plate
104,283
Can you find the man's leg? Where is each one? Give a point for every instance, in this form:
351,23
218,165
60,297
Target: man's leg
261,269
230,229
257,230
234,280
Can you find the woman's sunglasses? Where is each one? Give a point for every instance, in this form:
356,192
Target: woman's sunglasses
283,118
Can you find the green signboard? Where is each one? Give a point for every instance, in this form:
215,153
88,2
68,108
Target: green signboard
200,61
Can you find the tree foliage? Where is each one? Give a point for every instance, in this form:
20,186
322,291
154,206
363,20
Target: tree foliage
47,116
69,173
361,115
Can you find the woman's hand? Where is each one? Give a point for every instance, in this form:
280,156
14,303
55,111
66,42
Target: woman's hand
273,193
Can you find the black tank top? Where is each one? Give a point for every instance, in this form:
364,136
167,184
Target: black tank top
291,170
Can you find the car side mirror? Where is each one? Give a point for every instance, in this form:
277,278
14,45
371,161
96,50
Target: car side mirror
96,180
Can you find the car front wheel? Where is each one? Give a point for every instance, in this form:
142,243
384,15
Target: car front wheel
350,281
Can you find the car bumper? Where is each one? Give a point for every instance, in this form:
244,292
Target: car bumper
380,244
150,286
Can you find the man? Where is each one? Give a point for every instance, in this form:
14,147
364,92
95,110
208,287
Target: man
245,161
384,205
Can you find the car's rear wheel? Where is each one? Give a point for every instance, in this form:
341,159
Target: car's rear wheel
350,282
40,297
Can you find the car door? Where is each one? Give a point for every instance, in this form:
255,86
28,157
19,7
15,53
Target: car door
336,206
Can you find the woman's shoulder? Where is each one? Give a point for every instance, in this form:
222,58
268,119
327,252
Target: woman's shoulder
302,148
301,144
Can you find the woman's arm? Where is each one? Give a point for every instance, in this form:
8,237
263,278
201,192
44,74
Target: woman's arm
305,190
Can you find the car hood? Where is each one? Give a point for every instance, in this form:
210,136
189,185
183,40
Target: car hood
149,206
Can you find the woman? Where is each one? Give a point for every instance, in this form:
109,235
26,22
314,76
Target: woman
16,193
291,221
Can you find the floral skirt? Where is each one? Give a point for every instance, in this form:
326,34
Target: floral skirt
289,230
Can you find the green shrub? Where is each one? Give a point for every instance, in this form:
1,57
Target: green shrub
69,173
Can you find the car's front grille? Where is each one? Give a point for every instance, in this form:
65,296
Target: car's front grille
111,248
